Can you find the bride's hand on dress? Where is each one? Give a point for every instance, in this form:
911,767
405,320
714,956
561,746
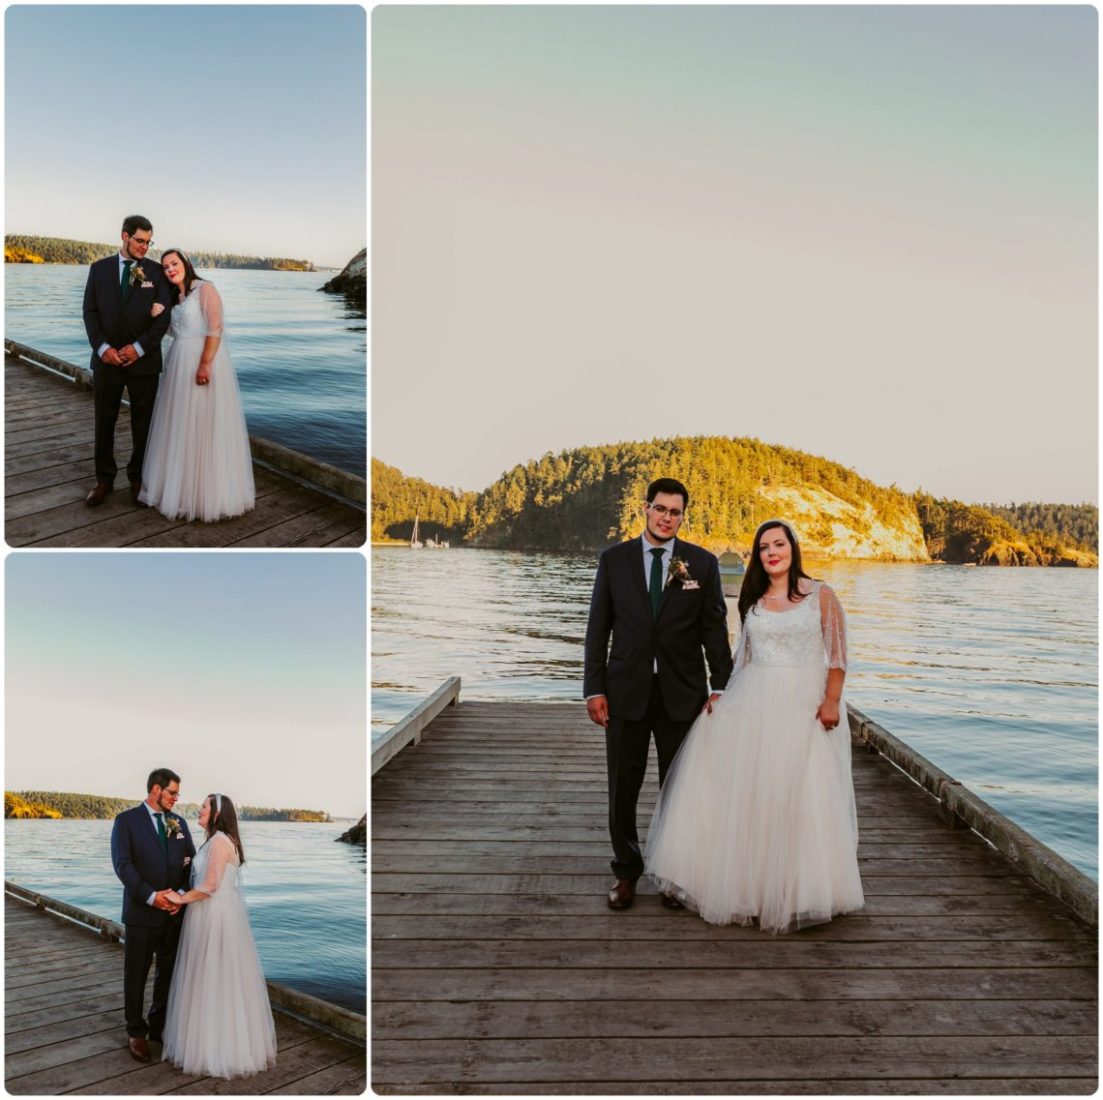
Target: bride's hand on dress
157,310
203,374
828,714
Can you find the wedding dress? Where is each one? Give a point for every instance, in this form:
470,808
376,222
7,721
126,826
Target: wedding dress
197,463
219,1021
757,815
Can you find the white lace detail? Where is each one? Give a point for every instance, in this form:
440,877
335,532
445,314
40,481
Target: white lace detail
812,633
199,314
216,865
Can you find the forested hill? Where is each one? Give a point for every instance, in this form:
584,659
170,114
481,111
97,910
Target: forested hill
590,497
20,249
68,804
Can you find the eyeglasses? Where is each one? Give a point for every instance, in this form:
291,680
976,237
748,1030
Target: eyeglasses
138,240
662,510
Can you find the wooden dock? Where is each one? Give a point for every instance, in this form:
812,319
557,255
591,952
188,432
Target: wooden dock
48,439
498,968
64,1030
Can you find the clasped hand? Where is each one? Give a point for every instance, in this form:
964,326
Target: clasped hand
120,357
170,904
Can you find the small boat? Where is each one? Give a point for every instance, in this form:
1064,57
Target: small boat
414,543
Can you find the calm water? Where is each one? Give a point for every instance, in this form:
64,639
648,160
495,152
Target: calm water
990,673
300,355
306,893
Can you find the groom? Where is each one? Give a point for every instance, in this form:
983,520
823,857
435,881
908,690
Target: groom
150,849
661,600
126,349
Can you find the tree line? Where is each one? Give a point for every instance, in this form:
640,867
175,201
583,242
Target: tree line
59,250
94,806
589,497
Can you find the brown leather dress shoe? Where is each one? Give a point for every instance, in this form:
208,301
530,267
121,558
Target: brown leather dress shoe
671,902
622,894
98,495
139,1048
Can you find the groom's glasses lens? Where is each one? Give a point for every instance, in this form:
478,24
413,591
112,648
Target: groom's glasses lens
662,510
138,240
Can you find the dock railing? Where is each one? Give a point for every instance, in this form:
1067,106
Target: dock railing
324,1015
312,472
408,730
961,807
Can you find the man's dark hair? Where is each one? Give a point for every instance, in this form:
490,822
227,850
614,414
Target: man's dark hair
160,777
136,221
668,485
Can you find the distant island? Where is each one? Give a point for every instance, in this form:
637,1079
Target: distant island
19,249
94,806
589,497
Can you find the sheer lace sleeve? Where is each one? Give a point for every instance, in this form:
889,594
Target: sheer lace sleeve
741,655
210,301
222,853
833,620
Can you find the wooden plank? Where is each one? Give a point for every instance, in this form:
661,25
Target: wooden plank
411,1020
657,928
408,729
783,1059
664,984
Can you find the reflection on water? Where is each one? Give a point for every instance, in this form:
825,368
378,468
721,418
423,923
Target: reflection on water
990,673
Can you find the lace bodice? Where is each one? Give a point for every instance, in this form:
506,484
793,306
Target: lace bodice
811,633
199,314
215,867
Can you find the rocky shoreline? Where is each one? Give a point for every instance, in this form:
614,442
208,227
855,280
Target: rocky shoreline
353,281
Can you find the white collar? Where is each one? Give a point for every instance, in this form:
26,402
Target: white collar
666,548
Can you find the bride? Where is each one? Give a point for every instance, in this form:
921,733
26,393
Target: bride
219,1020
757,816
197,463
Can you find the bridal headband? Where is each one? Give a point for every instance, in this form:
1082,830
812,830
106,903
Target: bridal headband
781,523
218,803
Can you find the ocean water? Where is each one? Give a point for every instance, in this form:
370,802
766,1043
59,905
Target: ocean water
300,355
990,673
306,893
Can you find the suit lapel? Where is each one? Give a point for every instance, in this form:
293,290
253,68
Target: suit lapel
634,560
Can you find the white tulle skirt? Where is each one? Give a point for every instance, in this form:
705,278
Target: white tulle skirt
197,463
219,1021
757,816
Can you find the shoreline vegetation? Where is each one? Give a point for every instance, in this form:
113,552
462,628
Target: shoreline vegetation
64,804
589,498
24,249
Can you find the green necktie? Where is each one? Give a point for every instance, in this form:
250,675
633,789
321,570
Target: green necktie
125,284
656,588
161,832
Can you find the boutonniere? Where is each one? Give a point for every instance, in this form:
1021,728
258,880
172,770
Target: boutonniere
137,275
172,826
679,571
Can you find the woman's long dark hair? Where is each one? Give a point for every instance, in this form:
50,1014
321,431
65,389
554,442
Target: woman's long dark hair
190,277
225,821
756,580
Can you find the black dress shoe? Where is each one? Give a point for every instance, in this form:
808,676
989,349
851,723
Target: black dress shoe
671,902
135,489
622,894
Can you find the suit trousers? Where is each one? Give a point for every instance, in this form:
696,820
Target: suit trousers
143,943
107,392
626,748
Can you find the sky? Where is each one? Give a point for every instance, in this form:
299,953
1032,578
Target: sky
233,128
244,673
868,233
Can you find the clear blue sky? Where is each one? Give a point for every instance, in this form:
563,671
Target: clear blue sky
232,128
867,232
243,672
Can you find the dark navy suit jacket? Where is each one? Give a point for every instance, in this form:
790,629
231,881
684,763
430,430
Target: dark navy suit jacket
144,867
692,625
110,320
